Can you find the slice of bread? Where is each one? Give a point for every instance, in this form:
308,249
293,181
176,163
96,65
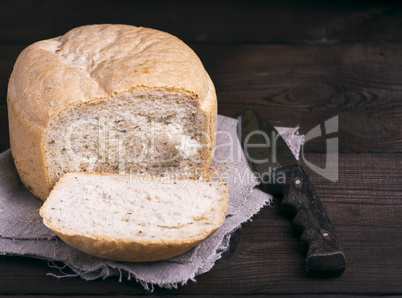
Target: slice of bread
110,99
134,218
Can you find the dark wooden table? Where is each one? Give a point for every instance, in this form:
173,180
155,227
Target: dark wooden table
298,63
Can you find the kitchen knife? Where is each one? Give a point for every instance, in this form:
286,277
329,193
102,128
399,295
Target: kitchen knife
281,174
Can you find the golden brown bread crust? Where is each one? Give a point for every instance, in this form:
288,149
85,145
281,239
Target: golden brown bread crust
89,64
127,251
130,250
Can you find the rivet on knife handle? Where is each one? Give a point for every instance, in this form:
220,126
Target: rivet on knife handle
324,253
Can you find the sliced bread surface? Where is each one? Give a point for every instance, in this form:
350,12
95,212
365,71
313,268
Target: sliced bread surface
134,218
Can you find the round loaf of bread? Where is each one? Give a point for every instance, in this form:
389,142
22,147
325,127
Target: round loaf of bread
110,99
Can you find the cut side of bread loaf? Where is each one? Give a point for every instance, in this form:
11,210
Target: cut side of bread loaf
134,218
110,98
146,132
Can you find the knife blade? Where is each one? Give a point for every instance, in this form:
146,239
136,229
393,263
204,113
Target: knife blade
281,174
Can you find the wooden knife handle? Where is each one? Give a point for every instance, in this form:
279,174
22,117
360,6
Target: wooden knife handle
324,253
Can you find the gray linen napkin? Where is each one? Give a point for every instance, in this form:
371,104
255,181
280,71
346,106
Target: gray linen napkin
22,232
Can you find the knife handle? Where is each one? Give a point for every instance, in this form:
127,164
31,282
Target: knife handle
324,253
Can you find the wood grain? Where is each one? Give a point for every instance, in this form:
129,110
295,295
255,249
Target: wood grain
306,85
289,21
4,133
265,256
